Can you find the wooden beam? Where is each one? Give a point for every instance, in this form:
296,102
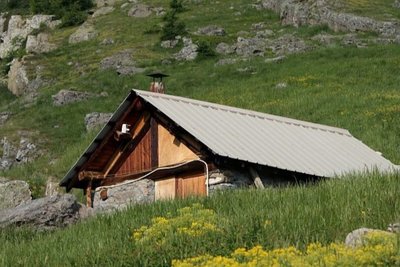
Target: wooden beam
83,175
136,131
89,195
154,143
256,178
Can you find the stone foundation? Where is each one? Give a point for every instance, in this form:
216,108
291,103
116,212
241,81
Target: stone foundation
120,196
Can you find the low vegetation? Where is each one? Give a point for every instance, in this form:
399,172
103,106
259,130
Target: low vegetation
274,218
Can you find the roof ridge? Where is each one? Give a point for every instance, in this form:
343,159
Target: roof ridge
247,112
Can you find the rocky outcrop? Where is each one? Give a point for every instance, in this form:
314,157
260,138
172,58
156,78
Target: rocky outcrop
102,3
96,119
65,97
188,52
396,4
19,28
4,117
20,83
140,11
85,32
18,78
120,196
298,12
103,11
250,47
39,44
357,237
23,152
43,213
122,63
211,30
13,193
224,49
220,179
288,44
52,187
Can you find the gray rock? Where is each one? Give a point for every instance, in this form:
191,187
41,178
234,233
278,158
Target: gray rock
18,78
124,5
289,44
160,11
140,11
9,152
250,47
320,12
122,63
107,41
396,4
121,196
211,30
102,3
188,52
352,40
4,116
169,43
14,193
95,119
85,32
281,85
3,20
19,28
357,237
394,228
264,34
52,187
43,213
103,11
224,49
258,26
221,179
64,97
39,44
26,151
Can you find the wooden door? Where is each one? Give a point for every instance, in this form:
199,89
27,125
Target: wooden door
165,188
191,185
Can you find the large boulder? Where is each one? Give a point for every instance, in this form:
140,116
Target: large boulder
140,11
121,196
4,116
39,44
103,11
211,30
64,97
43,213
9,152
358,237
19,28
13,193
289,44
85,32
122,63
188,52
96,119
250,47
18,78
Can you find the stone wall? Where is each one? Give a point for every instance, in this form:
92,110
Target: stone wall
120,196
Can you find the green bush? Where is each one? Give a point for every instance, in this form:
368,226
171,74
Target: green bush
172,27
71,12
205,49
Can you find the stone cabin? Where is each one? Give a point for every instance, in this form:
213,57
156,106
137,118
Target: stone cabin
158,146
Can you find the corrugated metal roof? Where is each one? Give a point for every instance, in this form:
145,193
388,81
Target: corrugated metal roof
256,137
269,140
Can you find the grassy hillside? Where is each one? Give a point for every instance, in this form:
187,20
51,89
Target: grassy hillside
272,218
343,86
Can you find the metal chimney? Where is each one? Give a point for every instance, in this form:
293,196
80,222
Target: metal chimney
157,84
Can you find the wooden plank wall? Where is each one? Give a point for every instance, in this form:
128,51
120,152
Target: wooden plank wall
165,188
171,150
139,159
191,185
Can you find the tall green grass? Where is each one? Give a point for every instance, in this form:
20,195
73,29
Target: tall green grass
323,212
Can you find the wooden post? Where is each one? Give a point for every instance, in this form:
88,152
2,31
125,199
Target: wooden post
257,180
89,195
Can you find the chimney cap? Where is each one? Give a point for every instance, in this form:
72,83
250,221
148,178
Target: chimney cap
157,74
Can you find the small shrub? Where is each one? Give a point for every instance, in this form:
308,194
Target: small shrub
176,5
172,27
205,49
